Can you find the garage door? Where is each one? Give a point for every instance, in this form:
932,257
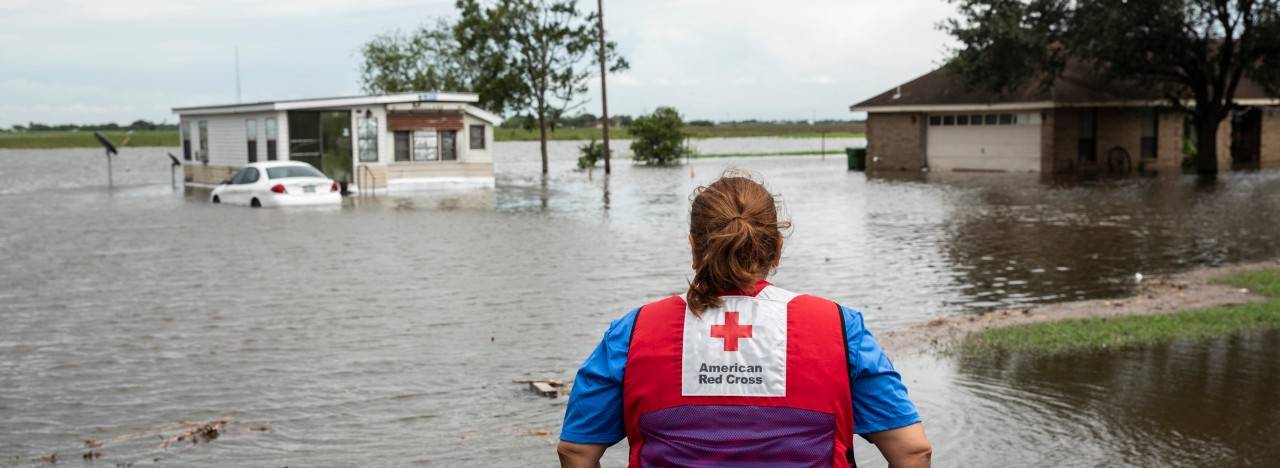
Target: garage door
984,142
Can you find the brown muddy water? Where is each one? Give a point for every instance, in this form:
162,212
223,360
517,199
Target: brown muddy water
388,332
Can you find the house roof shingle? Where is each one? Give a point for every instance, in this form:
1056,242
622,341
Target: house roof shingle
1078,84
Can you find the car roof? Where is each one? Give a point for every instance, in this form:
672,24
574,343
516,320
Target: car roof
269,164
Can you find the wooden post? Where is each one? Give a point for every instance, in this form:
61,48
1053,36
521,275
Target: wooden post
604,93
110,183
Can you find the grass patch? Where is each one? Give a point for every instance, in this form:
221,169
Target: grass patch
1097,334
85,139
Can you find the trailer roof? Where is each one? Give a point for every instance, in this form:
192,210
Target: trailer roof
330,102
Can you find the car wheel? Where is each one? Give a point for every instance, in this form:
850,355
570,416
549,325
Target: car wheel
216,200
255,203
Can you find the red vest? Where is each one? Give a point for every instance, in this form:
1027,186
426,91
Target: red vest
763,379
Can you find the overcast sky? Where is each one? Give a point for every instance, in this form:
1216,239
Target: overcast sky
82,61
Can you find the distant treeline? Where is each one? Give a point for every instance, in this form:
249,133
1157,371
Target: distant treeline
588,120
136,125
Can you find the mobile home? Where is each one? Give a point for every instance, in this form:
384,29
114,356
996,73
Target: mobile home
393,141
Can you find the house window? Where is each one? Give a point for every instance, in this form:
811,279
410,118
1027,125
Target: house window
975,119
962,120
270,127
935,120
948,120
1150,130
186,140
424,145
203,125
251,136
990,119
1006,119
1087,144
448,145
402,146
368,128
477,137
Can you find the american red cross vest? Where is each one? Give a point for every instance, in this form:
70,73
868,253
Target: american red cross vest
762,380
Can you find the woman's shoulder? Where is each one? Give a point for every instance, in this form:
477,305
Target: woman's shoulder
673,302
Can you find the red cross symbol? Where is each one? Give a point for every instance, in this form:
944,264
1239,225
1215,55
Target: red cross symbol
731,331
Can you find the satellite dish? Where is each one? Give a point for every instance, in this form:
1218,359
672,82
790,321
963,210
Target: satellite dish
176,163
111,149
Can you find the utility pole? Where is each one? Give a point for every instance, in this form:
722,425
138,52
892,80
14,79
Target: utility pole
604,92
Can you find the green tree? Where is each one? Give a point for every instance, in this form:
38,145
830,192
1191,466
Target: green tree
428,59
658,138
535,55
591,152
1192,52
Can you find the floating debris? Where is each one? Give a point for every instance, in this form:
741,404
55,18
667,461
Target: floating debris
550,388
196,432
188,431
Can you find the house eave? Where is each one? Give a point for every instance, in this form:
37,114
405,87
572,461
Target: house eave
1035,105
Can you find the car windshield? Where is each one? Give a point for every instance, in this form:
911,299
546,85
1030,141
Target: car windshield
283,172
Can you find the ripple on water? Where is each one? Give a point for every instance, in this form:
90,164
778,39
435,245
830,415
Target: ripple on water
392,328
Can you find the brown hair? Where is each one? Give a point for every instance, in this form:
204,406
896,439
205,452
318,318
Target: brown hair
736,237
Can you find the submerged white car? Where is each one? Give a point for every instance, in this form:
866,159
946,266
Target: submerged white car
277,183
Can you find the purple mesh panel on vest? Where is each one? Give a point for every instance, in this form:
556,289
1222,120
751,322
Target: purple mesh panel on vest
737,436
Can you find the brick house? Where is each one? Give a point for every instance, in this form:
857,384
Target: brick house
1078,124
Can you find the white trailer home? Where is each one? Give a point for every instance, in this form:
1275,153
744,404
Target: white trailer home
394,141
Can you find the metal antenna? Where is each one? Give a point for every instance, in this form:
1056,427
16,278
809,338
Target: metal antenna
237,72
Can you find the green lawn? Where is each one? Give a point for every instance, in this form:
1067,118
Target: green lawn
1092,334
84,139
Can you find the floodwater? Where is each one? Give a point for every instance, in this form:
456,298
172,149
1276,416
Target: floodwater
389,331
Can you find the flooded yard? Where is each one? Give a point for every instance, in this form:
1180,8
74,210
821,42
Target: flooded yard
388,332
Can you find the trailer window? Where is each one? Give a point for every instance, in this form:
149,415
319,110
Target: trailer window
402,146
368,132
477,137
270,126
251,138
204,141
424,145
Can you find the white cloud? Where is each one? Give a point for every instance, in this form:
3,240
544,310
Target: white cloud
93,60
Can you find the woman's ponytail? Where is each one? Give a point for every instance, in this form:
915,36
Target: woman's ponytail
736,237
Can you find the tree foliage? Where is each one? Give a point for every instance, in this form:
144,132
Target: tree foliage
428,59
1194,53
591,153
658,138
528,57
536,55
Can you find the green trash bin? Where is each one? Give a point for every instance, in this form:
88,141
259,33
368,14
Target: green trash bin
857,158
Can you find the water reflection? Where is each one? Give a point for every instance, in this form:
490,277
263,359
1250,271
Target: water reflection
1014,240
1183,404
